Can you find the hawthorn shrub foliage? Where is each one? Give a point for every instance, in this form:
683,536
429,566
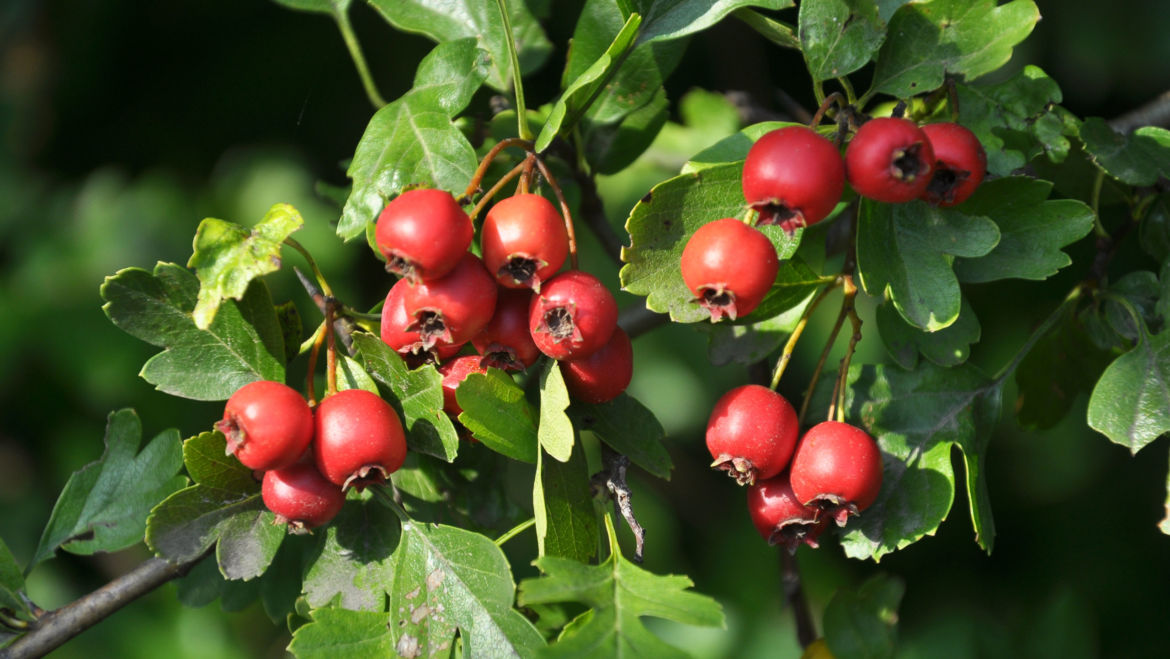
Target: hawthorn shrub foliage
416,568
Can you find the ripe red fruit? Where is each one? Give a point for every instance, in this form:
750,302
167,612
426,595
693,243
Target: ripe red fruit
779,517
359,439
837,469
301,497
423,234
729,267
505,341
267,425
603,375
573,316
406,342
959,164
751,433
454,308
890,160
793,177
524,241
454,373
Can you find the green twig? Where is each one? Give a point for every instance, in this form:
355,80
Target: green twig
317,274
359,60
516,530
1095,203
790,345
1038,333
521,110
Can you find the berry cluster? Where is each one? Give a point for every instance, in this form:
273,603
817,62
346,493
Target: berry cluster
309,458
512,305
795,486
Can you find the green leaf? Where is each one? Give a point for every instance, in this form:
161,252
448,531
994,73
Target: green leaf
1155,230
11,587
748,344
223,506
781,34
1139,158
103,507
555,431
413,140
795,282
566,522
497,414
351,375
947,347
965,37
1032,230
1138,291
733,148
672,19
617,594
353,561
838,37
904,249
628,428
417,395
917,417
242,344
320,6
664,220
584,86
228,257
289,320
478,493
1063,364
611,147
341,634
450,20
862,622
1131,402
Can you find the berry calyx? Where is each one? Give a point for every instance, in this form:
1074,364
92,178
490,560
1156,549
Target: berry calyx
601,376
505,341
524,241
729,267
454,308
301,497
267,425
890,160
959,164
751,433
793,177
422,233
779,517
454,373
837,469
359,439
573,316
407,342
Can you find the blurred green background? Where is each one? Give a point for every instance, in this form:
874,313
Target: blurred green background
123,124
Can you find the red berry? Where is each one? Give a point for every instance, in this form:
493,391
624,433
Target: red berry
359,439
793,177
751,433
524,241
454,308
573,316
423,234
837,469
406,342
505,341
454,373
889,160
267,425
300,496
959,164
779,517
601,376
729,267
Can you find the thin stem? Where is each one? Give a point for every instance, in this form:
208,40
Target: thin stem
516,530
526,175
389,499
1095,204
330,351
819,93
636,320
825,104
309,385
1039,332
359,315
790,345
850,96
317,274
477,178
490,194
812,384
840,388
518,86
568,215
308,343
359,60
806,631
12,622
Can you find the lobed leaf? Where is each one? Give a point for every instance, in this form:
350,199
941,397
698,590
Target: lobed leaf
862,622
1130,404
1139,158
497,414
566,522
629,428
947,347
838,37
353,563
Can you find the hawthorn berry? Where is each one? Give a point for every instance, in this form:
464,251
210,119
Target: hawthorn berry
729,267
505,341
751,433
779,517
267,425
959,164
837,469
601,376
573,316
454,308
524,241
359,439
407,342
454,373
423,233
793,177
890,160
300,496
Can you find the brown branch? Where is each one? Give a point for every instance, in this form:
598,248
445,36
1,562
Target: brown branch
637,320
1154,113
806,631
